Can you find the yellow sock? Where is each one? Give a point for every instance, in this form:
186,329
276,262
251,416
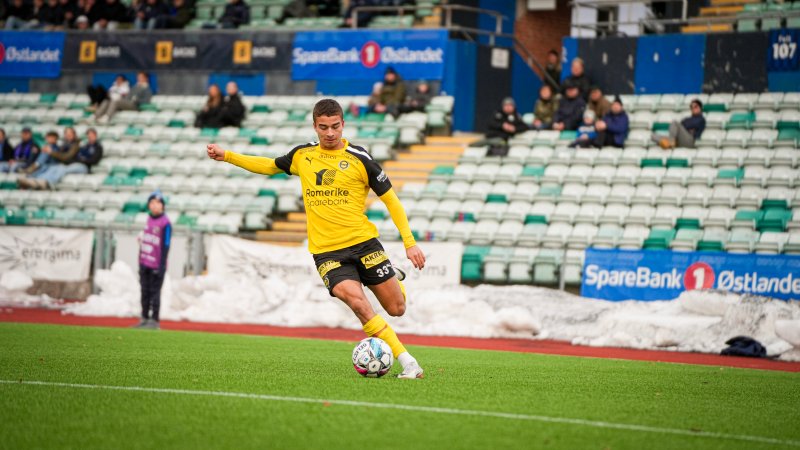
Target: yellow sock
403,290
378,327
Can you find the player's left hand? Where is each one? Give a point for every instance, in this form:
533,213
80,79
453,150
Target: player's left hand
416,256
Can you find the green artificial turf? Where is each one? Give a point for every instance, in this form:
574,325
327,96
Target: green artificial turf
697,399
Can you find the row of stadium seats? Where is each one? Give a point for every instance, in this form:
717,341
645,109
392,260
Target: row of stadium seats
526,216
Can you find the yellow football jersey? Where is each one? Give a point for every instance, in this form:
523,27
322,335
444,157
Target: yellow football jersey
335,188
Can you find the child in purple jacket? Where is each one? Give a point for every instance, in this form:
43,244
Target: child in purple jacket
153,249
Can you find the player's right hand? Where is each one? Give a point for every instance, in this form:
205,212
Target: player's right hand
215,152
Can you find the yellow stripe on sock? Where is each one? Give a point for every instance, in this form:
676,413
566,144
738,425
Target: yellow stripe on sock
403,290
378,327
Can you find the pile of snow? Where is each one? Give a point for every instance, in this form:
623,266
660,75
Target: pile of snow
13,287
696,321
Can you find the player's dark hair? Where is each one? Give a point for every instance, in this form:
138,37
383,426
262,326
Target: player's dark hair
327,107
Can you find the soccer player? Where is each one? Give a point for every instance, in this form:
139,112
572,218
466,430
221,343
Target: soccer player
336,177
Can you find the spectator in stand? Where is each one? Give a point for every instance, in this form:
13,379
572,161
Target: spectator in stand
50,16
140,95
544,110
587,133
70,9
44,159
177,16
54,162
25,154
7,150
89,155
392,94
237,13
553,70
18,15
417,100
363,17
506,122
598,103
98,93
91,9
310,8
210,115
685,132
578,78
233,110
612,130
570,109
82,24
147,13
110,13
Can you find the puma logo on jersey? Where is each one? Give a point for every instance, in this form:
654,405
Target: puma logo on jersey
310,160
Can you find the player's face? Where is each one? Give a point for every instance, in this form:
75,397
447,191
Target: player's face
329,131
156,207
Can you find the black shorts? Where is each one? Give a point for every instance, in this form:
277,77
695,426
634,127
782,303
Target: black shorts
366,263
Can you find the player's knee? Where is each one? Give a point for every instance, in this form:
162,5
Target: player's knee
397,309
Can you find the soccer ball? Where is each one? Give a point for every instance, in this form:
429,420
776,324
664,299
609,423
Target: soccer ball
372,357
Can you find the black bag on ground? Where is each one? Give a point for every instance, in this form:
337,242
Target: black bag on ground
744,346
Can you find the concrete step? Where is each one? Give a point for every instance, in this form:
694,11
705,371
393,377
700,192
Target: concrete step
732,2
436,149
281,236
289,226
296,217
721,10
711,28
451,140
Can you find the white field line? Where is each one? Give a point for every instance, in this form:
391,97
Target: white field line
424,409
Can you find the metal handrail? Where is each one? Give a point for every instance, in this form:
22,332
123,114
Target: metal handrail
448,9
600,3
599,26
466,31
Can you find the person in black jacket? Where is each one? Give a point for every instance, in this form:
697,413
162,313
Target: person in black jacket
687,131
147,13
110,13
233,109
7,149
577,78
18,15
89,155
506,122
51,16
177,16
570,109
237,13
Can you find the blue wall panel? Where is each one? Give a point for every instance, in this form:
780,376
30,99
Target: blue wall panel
525,84
486,22
784,81
569,51
14,85
670,64
459,81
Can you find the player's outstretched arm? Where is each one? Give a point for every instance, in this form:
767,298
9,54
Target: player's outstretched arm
255,164
398,214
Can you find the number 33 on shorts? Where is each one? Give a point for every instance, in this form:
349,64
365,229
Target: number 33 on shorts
384,270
